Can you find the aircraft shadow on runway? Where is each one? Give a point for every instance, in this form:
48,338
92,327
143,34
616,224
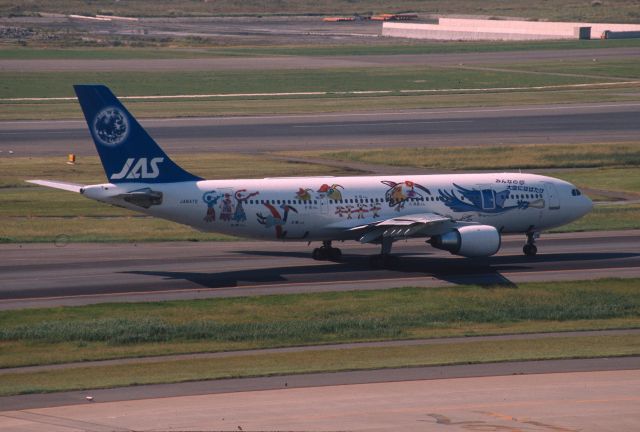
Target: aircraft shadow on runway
487,271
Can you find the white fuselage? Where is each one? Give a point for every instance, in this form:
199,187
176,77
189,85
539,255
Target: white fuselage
326,208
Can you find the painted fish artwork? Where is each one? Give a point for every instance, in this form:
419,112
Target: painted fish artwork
482,200
274,219
399,193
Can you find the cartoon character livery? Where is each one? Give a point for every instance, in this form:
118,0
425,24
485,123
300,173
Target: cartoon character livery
466,214
474,200
275,220
399,193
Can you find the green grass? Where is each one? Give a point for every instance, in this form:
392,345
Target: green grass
486,157
606,217
618,11
54,335
59,84
319,104
392,47
97,53
82,229
88,169
318,361
609,68
625,180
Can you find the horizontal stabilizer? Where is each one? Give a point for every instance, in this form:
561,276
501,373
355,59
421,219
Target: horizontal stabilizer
71,187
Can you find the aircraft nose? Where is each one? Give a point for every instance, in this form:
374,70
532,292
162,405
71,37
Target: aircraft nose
586,205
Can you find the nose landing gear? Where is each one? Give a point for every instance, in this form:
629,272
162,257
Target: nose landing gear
326,252
530,248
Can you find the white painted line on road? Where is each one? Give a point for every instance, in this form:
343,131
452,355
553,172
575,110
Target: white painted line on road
558,86
325,93
357,114
156,97
62,132
383,123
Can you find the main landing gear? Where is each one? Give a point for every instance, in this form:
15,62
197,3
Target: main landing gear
530,248
326,252
384,259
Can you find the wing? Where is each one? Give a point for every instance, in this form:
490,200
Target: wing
404,226
71,187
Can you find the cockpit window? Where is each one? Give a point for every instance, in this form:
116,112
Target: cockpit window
576,192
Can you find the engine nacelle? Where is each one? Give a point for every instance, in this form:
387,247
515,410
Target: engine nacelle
469,241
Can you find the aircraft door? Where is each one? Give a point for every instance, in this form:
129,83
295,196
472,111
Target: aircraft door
323,204
553,200
488,199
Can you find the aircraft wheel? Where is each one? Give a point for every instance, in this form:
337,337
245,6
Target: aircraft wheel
319,254
530,250
335,254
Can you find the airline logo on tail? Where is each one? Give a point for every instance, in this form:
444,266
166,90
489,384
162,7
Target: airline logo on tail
139,169
111,126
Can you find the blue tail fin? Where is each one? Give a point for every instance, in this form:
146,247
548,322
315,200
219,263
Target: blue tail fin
127,151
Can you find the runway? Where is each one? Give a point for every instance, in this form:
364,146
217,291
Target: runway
45,275
316,62
566,395
538,124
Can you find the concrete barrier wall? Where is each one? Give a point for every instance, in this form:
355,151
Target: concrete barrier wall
537,27
532,27
438,32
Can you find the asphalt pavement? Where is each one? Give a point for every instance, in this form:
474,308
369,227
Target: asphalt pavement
38,275
535,124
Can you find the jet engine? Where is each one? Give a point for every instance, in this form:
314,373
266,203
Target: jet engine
469,241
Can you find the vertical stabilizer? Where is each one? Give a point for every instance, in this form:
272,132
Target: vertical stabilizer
127,152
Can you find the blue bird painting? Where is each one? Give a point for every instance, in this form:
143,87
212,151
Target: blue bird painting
484,201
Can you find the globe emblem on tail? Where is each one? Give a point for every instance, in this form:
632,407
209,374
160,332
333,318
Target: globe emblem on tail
110,126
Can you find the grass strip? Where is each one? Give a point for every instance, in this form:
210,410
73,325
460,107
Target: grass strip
131,83
610,68
318,361
606,217
170,49
610,179
332,103
568,10
88,169
65,334
514,157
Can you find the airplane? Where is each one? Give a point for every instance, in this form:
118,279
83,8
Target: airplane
465,214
